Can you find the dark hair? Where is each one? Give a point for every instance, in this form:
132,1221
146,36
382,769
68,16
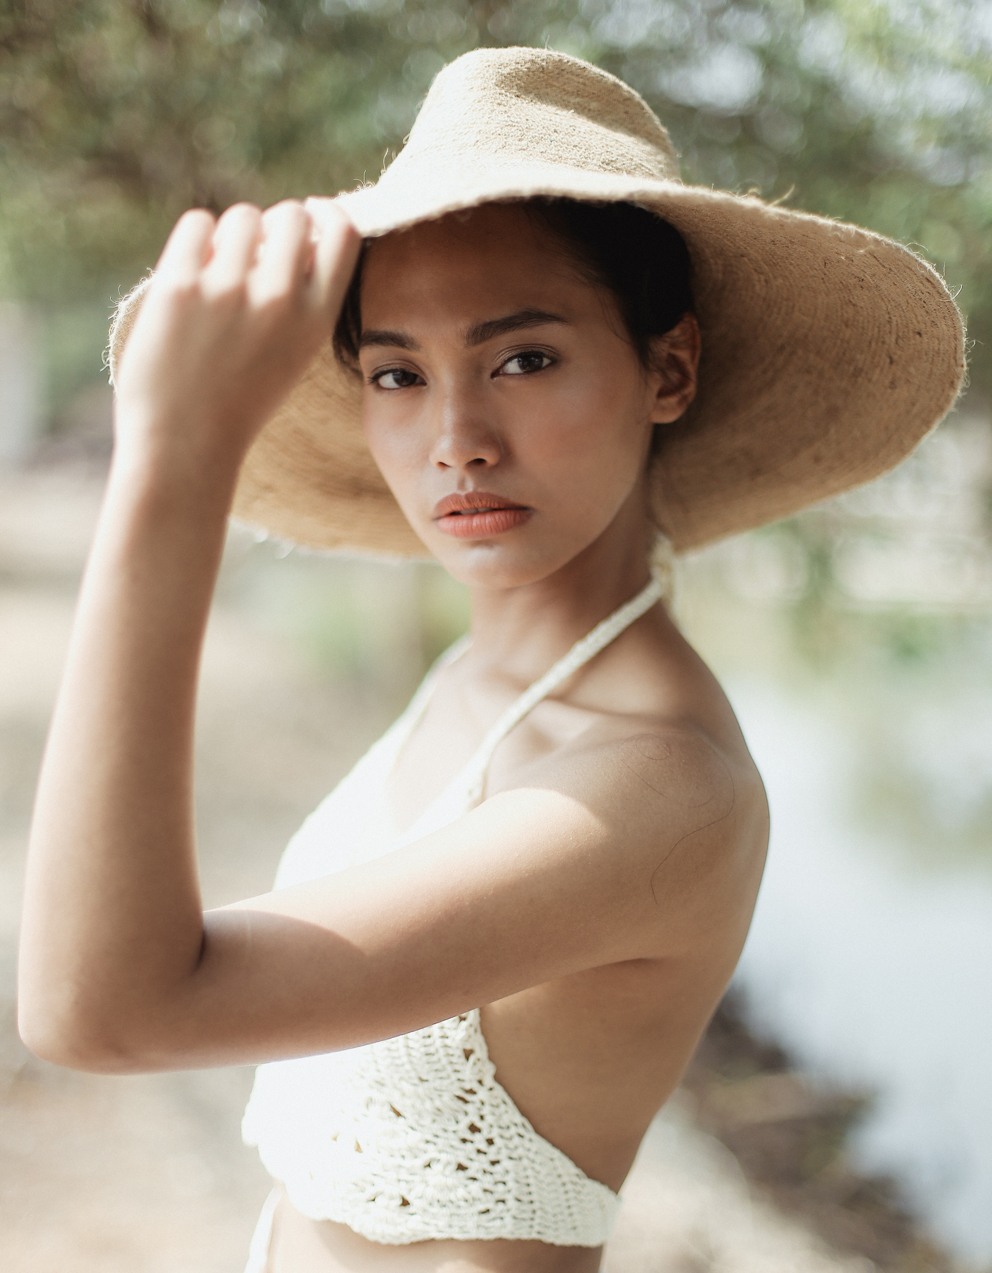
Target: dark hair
639,258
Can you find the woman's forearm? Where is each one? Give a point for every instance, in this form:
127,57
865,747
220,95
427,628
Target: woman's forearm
112,916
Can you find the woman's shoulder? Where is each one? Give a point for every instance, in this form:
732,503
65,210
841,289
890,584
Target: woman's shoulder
659,803
657,711
653,764
665,766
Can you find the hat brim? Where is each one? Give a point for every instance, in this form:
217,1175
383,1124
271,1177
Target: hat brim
828,354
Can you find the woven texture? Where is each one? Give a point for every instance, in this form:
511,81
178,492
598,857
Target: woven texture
422,1143
828,351
414,1137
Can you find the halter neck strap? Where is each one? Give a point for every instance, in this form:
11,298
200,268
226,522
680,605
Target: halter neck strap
582,651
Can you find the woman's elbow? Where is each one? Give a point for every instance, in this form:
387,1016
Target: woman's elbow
73,1042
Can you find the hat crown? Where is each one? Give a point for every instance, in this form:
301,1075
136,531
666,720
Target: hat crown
534,108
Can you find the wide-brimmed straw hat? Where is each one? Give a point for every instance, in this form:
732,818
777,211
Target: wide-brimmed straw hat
828,351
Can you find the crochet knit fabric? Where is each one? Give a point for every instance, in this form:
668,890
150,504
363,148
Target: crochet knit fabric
420,1141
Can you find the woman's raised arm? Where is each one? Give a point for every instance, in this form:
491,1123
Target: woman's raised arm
235,312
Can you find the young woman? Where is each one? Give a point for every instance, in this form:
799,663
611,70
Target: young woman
490,953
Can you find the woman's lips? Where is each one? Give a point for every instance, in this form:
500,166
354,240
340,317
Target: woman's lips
478,515
483,524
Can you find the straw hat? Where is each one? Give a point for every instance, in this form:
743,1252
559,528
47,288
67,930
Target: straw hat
828,351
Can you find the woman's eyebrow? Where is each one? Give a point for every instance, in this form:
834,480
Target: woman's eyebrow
477,335
398,339
481,332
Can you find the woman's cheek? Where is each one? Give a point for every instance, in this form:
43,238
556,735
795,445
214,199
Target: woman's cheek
599,457
391,433
593,429
396,452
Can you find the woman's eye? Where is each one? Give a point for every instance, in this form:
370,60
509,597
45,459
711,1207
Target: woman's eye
522,364
394,378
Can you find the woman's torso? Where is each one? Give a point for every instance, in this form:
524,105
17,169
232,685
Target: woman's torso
587,1059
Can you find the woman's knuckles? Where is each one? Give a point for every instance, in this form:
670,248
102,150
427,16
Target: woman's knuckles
276,306
288,214
218,306
223,291
237,216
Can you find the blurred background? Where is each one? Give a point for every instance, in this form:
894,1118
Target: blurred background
839,1114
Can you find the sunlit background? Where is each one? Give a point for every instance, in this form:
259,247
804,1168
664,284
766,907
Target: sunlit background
850,1075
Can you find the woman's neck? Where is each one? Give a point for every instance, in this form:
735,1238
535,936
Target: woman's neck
523,630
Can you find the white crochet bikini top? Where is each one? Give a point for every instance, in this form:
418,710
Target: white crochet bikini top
413,1137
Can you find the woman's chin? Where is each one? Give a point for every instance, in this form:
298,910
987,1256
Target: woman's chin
500,565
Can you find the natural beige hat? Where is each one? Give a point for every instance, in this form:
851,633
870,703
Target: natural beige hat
828,351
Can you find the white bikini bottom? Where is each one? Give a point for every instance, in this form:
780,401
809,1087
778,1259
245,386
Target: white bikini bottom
258,1251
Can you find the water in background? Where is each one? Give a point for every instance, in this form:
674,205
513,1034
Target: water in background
874,969
870,717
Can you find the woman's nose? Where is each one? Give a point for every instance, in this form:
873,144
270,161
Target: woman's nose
463,436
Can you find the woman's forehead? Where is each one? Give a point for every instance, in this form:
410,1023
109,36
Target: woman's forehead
493,258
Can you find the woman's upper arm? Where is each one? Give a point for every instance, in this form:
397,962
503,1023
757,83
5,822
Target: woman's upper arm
606,860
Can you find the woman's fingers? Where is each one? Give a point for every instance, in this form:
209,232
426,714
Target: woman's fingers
235,248
290,246
187,248
286,250
245,303
338,245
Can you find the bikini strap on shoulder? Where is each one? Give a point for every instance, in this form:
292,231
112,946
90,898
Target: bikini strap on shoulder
582,651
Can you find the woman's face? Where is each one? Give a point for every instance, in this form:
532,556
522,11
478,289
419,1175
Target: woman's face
502,401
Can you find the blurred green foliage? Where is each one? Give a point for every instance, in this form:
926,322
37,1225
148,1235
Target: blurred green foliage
115,115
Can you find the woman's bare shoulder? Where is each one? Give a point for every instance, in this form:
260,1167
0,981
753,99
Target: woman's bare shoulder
662,733
683,796
652,766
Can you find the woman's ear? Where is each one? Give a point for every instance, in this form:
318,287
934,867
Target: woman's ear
675,364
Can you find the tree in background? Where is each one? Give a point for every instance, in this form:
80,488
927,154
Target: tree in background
115,115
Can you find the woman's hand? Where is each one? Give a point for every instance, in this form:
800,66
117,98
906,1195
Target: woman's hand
236,310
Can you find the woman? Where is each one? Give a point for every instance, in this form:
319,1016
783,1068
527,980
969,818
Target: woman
491,951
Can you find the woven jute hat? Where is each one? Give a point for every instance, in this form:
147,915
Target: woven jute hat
828,351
